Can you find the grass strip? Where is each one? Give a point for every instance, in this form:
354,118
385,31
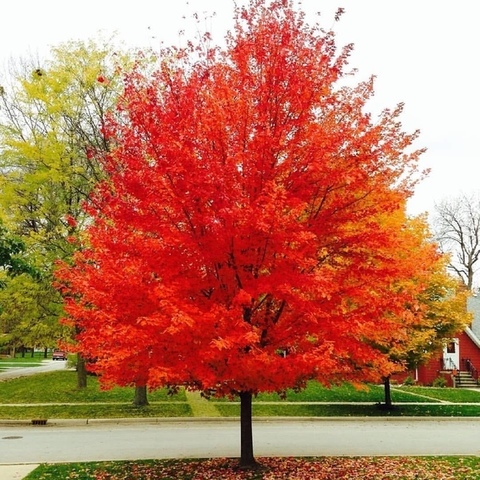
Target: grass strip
319,468
352,410
170,409
90,411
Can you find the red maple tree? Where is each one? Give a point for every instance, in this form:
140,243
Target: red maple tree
243,241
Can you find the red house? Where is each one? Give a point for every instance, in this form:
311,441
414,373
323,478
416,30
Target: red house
459,363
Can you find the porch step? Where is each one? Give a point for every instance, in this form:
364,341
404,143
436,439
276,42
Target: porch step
465,380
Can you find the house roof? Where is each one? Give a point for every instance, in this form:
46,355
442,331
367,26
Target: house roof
473,306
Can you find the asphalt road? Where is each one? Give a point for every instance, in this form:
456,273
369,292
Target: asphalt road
72,441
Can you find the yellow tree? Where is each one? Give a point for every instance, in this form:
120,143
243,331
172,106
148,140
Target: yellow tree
50,129
51,118
438,313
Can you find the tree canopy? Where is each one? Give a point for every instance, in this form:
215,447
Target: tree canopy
250,234
438,313
13,259
50,126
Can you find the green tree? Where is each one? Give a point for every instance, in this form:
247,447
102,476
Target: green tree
29,314
14,266
12,256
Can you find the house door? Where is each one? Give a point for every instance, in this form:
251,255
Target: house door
451,355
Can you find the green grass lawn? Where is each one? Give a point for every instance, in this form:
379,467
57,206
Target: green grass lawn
454,395
54,395
61,387
375,393
343,393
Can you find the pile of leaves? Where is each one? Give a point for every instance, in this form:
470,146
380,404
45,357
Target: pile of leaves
325,468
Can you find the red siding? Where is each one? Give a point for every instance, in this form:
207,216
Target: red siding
468,350
427,373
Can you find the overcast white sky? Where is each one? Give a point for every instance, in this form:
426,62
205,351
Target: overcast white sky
424,53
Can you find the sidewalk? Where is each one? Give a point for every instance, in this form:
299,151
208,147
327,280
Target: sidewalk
16,472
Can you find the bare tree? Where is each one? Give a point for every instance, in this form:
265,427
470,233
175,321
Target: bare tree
457,229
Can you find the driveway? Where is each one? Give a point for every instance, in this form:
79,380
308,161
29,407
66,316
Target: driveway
46,366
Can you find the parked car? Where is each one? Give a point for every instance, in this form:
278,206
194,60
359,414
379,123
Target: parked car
59,355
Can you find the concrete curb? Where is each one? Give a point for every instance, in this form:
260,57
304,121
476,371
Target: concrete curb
68,422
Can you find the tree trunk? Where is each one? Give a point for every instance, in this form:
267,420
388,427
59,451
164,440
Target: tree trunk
81,372
247,460
140,398
388,393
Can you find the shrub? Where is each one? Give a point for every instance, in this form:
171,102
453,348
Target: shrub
409,381
440,382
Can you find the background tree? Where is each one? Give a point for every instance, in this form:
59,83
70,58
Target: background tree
51,115
13,259
439,313
457,227
247,214
14,263
29,314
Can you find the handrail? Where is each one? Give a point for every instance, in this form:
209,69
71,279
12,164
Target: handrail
471,369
